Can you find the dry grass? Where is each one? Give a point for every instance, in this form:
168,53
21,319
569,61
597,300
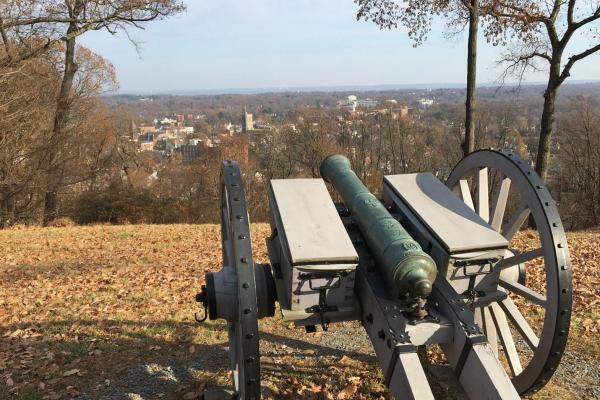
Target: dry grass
81,307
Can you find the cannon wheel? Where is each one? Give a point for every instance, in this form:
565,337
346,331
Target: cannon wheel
236,243
532,352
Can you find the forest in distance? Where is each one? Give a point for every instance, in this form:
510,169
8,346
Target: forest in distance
295,131
306,127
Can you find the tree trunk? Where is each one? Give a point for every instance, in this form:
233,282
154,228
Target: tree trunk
7,209
60,119
392,145
469,141
547,125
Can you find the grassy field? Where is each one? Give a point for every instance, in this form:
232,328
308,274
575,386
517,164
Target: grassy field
106,312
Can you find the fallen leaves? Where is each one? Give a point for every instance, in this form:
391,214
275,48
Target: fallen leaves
345,360
196,394
191,396
590,325
86,302
347,392
584,252
71,372
350,389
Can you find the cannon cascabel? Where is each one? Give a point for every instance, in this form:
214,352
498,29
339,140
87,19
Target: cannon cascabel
409,272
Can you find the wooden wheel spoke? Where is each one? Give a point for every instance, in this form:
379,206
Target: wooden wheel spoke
507,340
490,329
478,317
520,323
515,195
517,220
500,204
523,291
465,193
483,204
519,258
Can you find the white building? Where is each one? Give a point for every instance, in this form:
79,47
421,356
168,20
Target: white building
425,102
367,103
186,130
352,102
168,121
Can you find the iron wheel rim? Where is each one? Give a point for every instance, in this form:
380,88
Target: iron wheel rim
552,340
244,354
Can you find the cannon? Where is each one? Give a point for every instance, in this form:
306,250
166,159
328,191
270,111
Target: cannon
408,271
428,263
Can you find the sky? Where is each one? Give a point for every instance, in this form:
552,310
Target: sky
231,44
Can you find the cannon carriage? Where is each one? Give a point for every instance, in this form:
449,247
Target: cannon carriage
431,262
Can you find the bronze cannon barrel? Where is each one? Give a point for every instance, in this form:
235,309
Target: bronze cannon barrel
408,271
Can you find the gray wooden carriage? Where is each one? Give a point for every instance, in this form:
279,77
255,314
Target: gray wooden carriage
370,260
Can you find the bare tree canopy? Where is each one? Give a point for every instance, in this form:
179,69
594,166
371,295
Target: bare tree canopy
42,23
579,163
34,32
540,36
416,16
543,32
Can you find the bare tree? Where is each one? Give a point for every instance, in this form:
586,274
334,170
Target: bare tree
579,160
65,20
32,29
44,23
416,16
26,103
543,31
313,141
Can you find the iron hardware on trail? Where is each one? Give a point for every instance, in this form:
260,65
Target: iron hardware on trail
429,263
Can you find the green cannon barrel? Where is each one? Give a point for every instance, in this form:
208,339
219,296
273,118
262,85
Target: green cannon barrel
408,271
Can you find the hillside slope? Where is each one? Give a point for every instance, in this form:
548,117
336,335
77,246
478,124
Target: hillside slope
106,312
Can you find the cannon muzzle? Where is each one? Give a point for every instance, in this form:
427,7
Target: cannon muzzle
408,271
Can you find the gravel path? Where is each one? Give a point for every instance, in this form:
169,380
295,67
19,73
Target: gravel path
175,378
579,375
164,379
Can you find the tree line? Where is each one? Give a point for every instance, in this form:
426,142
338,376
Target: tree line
63,151
381,144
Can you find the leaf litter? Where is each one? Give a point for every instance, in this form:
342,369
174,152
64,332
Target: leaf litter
83,307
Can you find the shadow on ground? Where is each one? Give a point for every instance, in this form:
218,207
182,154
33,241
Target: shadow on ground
123,359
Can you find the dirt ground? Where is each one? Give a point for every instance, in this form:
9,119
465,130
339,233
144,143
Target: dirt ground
107,312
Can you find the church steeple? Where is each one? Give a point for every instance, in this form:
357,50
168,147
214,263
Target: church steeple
247,121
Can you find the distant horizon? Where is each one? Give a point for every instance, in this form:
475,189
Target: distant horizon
332,88
259,44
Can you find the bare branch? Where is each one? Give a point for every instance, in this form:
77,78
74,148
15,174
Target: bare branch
556,9
566,72
570,11
595,16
